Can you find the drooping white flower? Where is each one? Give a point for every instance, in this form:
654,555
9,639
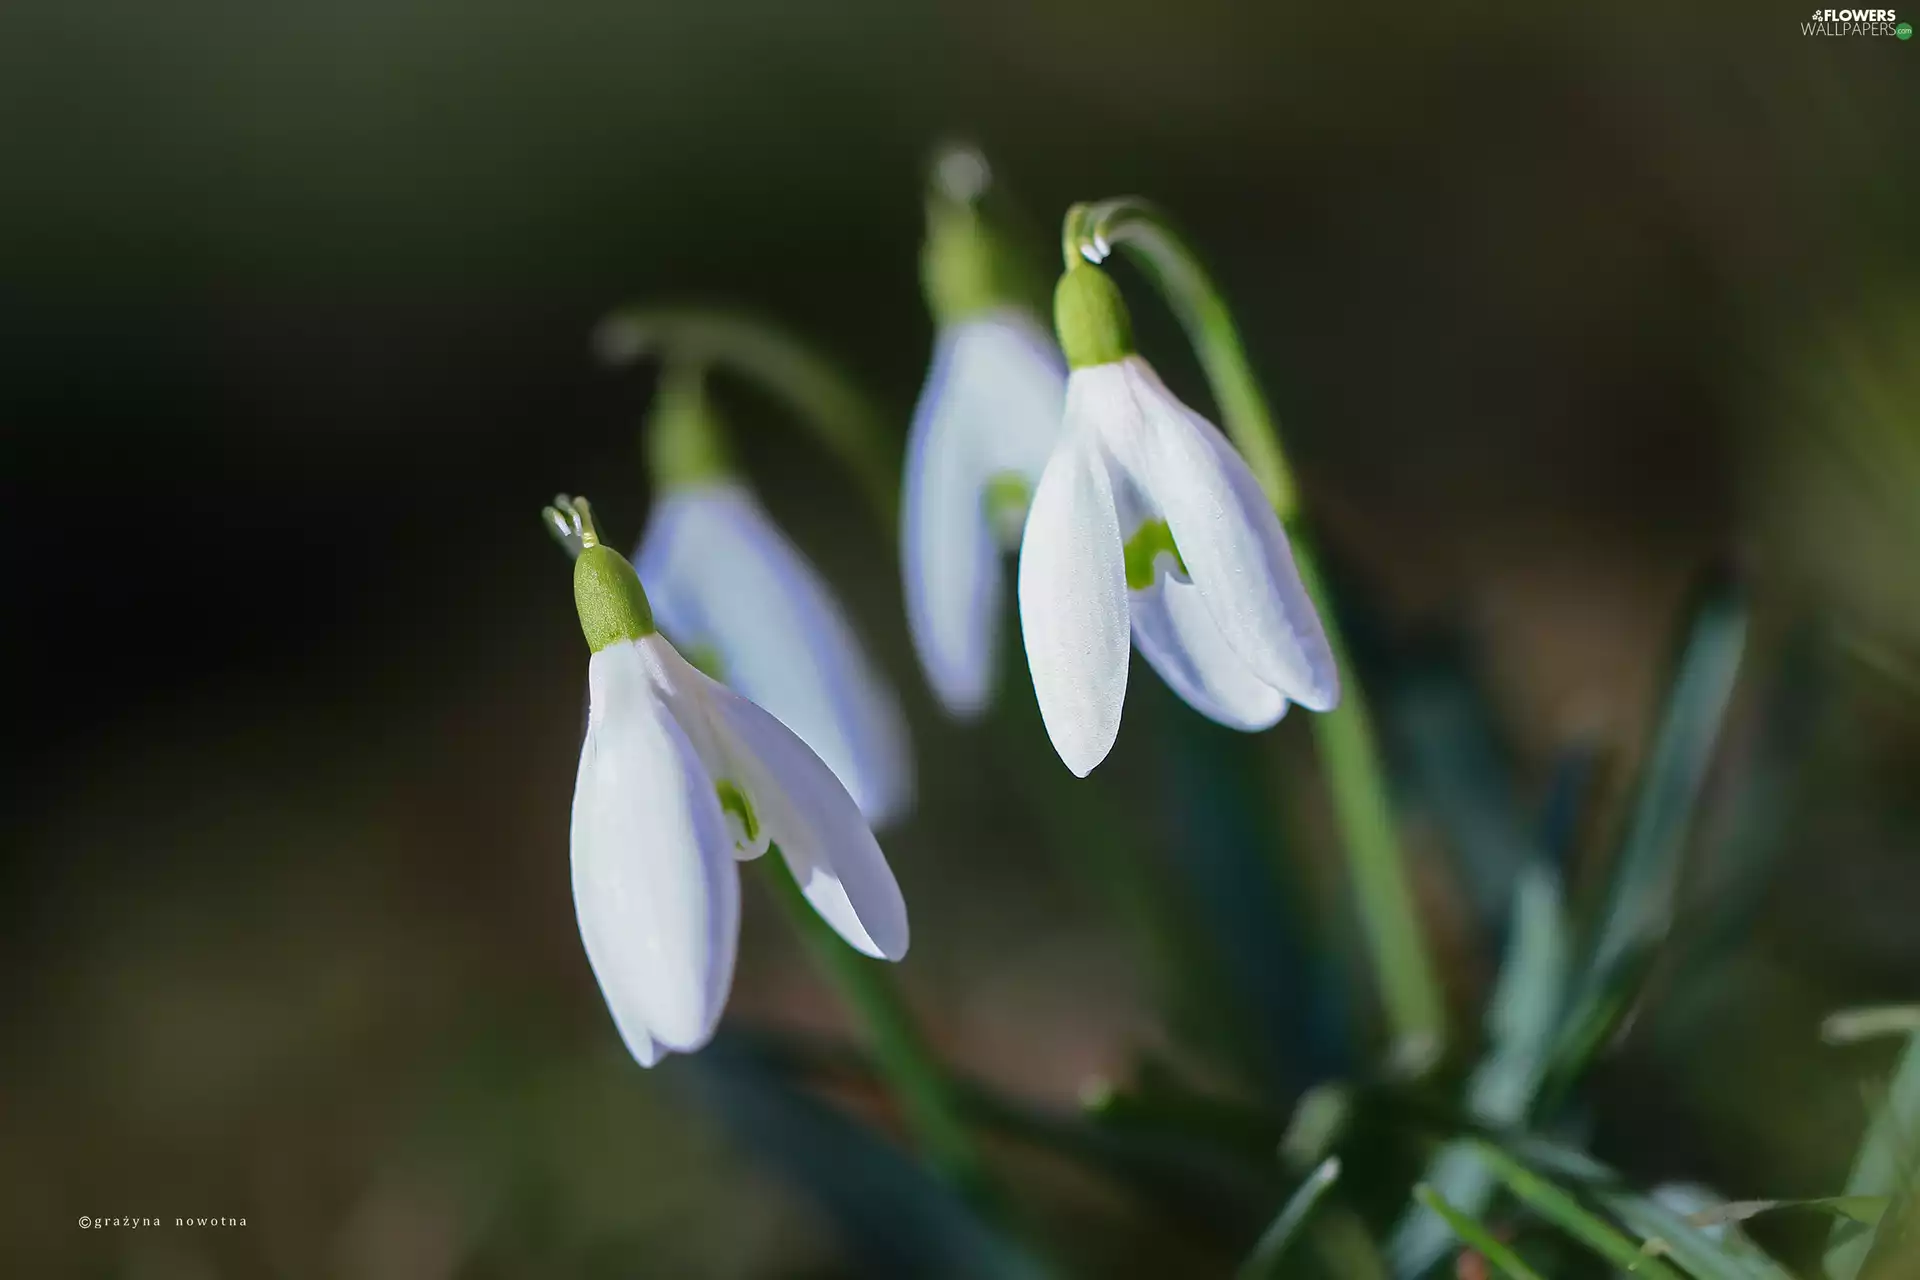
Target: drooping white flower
986,423
983,430
732,590
679,778
1147,524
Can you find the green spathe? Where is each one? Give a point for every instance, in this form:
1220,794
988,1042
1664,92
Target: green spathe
607,592
1091,318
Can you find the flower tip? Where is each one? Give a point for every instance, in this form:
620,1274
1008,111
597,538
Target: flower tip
1324,694
887,939
960,172
1081,758
617,340
965,703
877,928
645,1049
681,1025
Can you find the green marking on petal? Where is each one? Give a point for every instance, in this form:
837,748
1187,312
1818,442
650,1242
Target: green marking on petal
1004,500
734,801
706,660
1147,544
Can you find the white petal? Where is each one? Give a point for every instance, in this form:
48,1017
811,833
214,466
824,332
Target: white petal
1073,588
654,882
948,556
810,816
720,574
1015,391
992,404
1176,634
645,1049
1234,548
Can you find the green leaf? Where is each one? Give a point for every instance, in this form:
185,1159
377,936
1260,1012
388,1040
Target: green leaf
1663,1230
1884,1166
1639,903
1521,1022
1565,1212
1862,1209
894,1217
1272,1245
1475,1235
916,1079
1457,766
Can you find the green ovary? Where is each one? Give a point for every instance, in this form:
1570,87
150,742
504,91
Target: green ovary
1146,545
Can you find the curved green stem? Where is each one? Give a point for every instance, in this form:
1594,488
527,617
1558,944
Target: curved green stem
840,415
1410,987
1092,231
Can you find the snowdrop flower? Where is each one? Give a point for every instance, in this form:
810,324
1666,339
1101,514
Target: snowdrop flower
986,422
679,777
1147,521
733,592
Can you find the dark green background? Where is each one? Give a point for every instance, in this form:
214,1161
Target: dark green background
294,303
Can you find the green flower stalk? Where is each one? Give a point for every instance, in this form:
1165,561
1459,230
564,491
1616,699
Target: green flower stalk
841,417
748,602
1229,620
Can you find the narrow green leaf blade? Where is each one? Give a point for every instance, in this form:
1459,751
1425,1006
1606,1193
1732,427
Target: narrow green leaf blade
1563,1211
1522,1019
1639,904
1272,1246
1475,1235
1884,1166
1689,1244
1867,1210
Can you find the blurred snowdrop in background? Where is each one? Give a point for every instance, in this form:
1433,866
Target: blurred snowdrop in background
1590,342
736,595
984,427
678,777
